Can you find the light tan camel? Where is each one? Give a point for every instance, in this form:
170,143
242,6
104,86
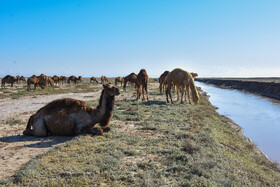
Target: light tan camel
183,79
55,79
71,117
119,79
187,93
8,79
162,81
104,79
132,78
92,79
142,81
63,79
74,79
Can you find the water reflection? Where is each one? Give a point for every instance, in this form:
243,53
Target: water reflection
259,117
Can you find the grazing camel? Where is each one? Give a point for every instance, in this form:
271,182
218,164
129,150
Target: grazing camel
142,81
63,79
104,79
9,79
183,79
74,79
71,117
21,78
132,78
55,79
119,79
187,93
162,81
36,80
92,79
50,81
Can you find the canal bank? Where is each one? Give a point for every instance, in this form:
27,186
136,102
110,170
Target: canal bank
266,87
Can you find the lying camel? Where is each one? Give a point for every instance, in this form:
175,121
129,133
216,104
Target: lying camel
71,117
104,79
92,79
182,79
162,81
132,78
9,79
142,81
119,79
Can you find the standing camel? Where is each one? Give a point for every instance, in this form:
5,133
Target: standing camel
162,81
9,79
55,79
92,79
119,79
74,79
22,79
132,78
182,79
63,79
142,81
71,117
37,80
104,79
187,90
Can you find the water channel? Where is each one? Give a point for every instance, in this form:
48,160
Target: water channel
258,116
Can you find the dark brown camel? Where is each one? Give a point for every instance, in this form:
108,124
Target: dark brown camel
22,78
74,79
132,78
92,79
63,79
71,117
162,81
142,81
119,79
55,79
8,79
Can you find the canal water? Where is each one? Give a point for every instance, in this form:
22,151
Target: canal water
259,117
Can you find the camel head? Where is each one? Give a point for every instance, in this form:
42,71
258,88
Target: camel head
111,90
194,75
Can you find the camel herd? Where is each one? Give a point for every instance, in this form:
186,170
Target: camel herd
70,117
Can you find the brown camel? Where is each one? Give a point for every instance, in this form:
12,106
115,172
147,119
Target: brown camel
36,80
183,79
104,79
132,78
55,79
9,79
50,81
162,81
71,117
119,79
74,79
63,79
21,78
187,93
142,81
92,79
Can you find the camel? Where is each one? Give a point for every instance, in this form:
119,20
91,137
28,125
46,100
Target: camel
74,79
9,79
142,81
132,78
119,79
162,81
104,79
50,81
21,78
182,79
63,79
36,80
71,117
55,79
186,90
92,79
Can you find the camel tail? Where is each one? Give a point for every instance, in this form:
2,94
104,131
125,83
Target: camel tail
28,131
194,91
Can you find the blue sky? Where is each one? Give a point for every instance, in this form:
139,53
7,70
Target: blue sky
217,38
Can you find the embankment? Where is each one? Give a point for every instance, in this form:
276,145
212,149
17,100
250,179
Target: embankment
264,88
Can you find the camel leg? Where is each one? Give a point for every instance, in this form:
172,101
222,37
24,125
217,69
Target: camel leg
178,88
182,93
106,129
166,93
143,92
147,92
188,92
138,92
96,131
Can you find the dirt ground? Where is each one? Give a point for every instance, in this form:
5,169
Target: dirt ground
17,149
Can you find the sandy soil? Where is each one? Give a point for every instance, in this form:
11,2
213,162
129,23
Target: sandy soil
16,149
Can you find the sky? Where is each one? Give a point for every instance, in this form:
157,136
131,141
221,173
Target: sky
217,38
